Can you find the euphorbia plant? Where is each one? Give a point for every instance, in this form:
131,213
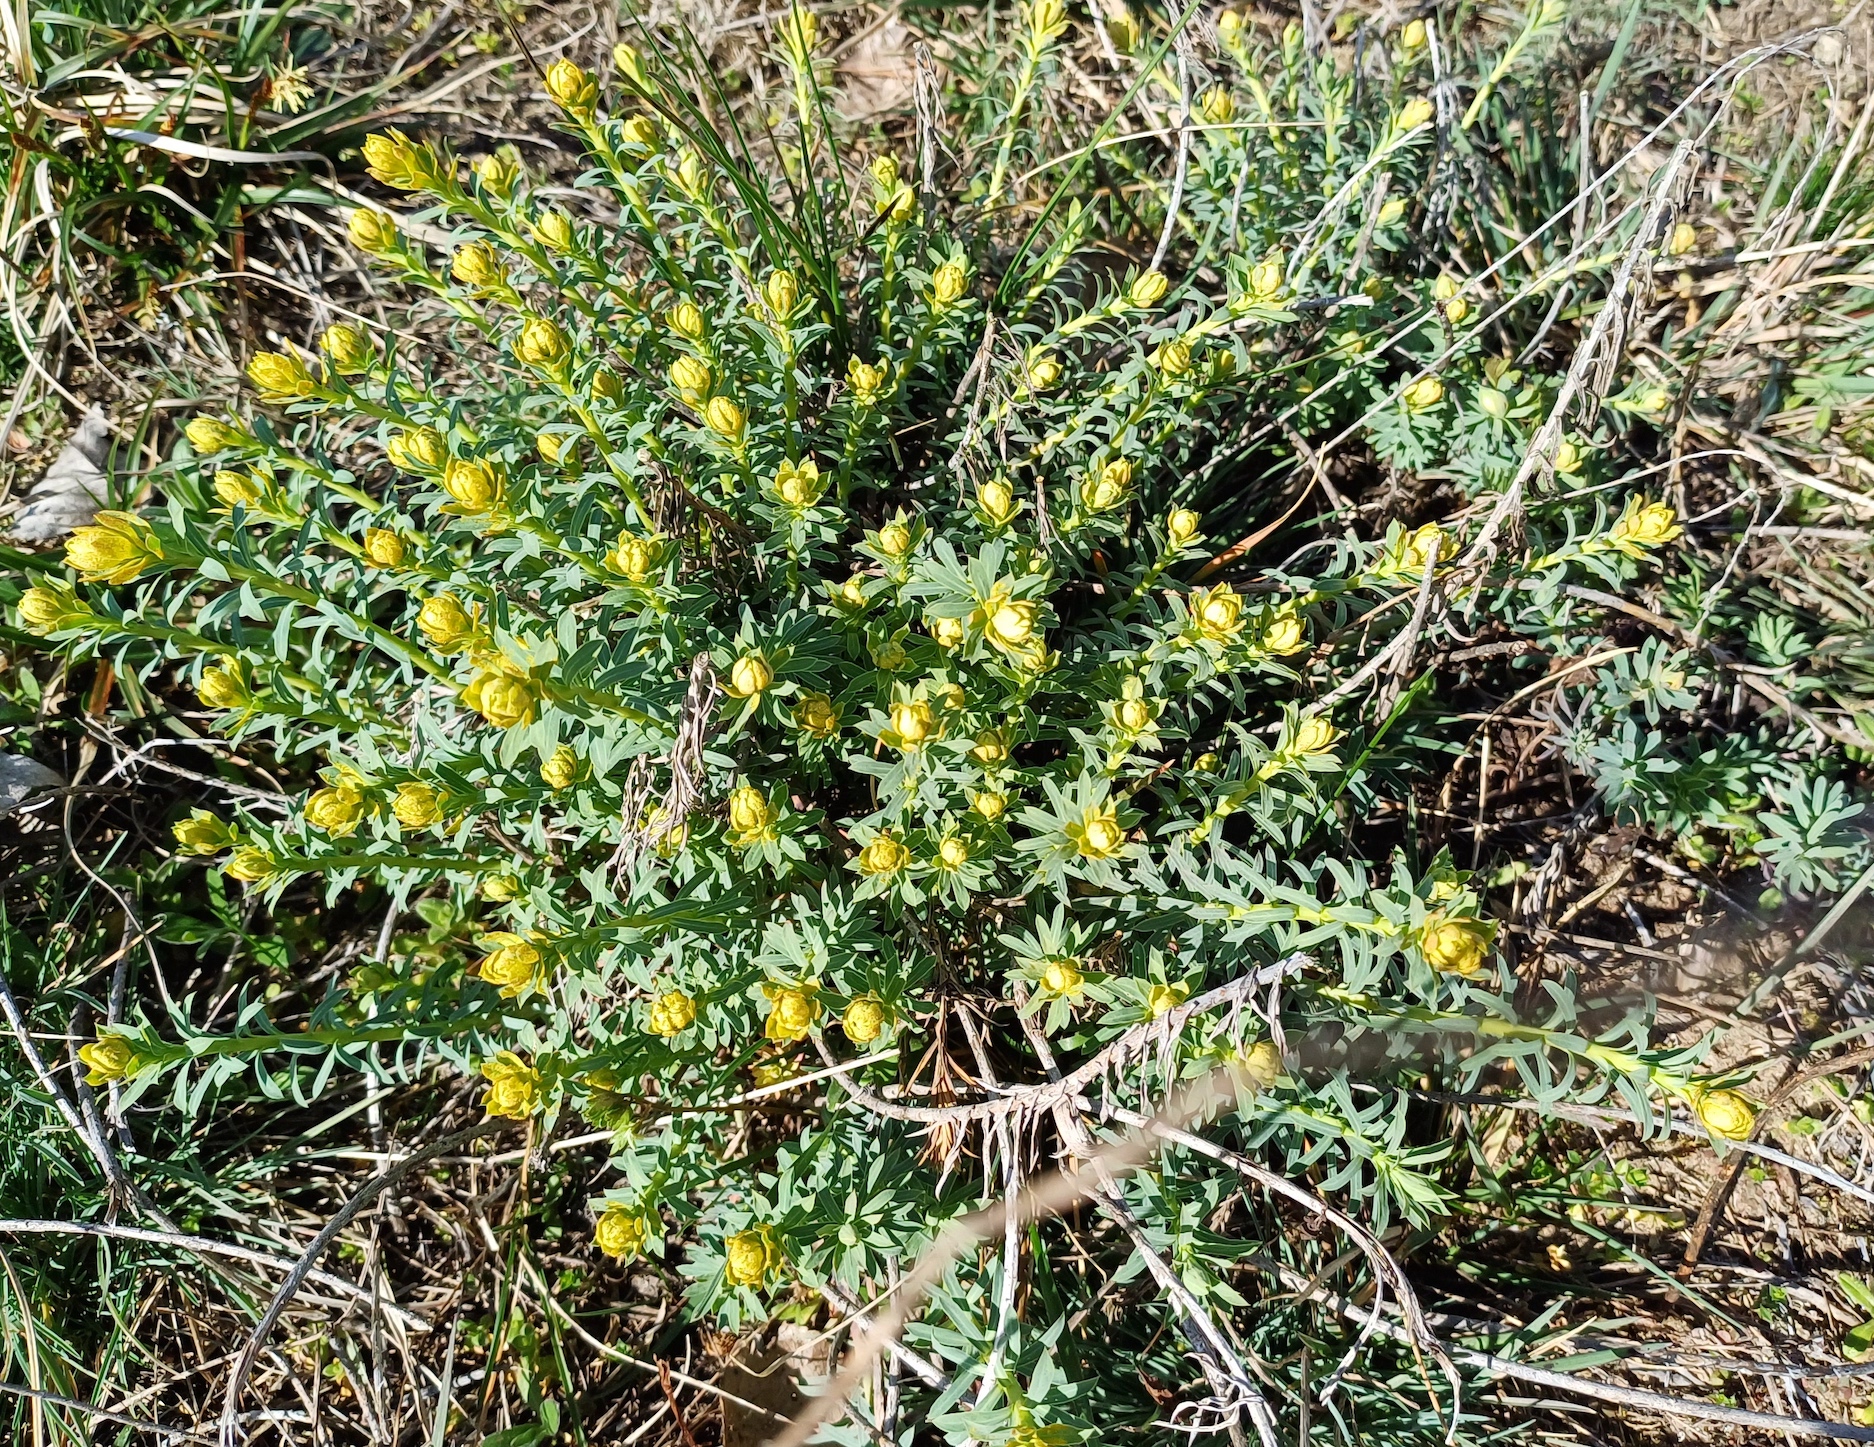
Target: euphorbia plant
799,643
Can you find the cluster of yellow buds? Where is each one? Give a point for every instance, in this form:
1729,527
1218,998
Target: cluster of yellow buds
1218,106
501,693
561,769
109,1058
752,817
896,200
750,676
406,165
868,381
417,805
281,376
348,349
1162,999
864,1020
513,1087
571,89
751,1256
793,1010
884,856
1643,525
475,486
1453,306
996,503
672,1013
1061,979
383,548
1456,943
336,810
52,606
817,714
1097,833
1727,1114
224,687
1422,394
799,485
622,1233
513,964
1216,615
373,232
421,450
203,833
1311,740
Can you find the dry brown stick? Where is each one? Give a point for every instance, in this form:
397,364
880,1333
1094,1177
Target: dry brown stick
676,1411
1721,1188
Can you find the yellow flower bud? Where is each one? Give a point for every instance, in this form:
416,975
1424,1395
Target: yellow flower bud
115,548
726,418
946,633
1283,633
1415,113
749,1257
1173,359
108,1058
1042,369
751,816
1218,107
203,833
953,853
1123,28
851,593
639,133
1262,1064
1457,944
884,856
383,548
280,376
1425,392
817,714
1456,310
1217,614
867,381
889,655
513,1087
1490,401
445,623
1147,289
1683,238
1230,28
1206,764
223,688
542,344
505,700
1061,979
686,320
1161,1000
691,378
864,1020
1725,1113
1313,735
1107,488
1134,715
894,539
1413,36
749,675
1182,526
799,484
800,31
399,162
672,1013
996,501
1567,458
249,864
1391,211
553,230
421,451
500,888
1424,547
791,1013
1047,18
474,484
336,811
692,174
631,65
348,348
238,489
512,964
990,804
948,284
782,293
46,609
1097,833
912,722
497,175
417,805
635,557
561,770
1640,526
480,266
990,749
1011,626
571,88
210,434
372,231
621,1233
